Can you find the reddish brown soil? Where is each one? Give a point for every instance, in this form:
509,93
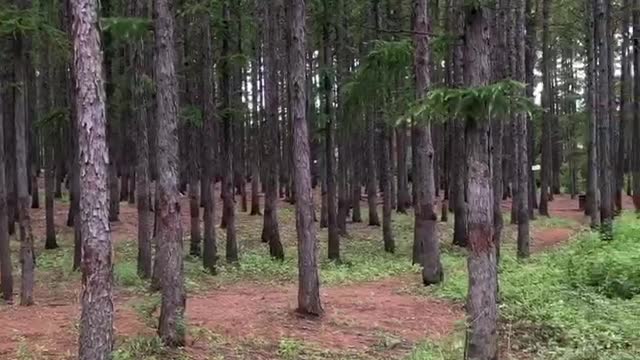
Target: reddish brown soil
562,207
358,317
49,329
549,238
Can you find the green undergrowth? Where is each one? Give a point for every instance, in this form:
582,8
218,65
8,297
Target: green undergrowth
546,222
362,259
146,348
578,302
451,348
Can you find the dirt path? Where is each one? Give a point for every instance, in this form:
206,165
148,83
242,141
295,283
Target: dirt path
358,317
550,238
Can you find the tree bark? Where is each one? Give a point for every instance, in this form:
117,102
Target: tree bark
10,165
530,61
255,129
636,100
96,319
194,198
6,269
356,181
330,159
210,250
228,198
426,244
52,138
385,178
547,101
112,138
403,201
344,157
171,328
460,236
593,195
270,229
625,110
27,256
142,178
521,196
604,120
372,193
482,311
308,279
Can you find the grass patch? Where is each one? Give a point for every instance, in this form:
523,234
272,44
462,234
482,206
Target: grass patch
290,348
146,348
579,302
125,274
146,308
545,222
450,349
27,351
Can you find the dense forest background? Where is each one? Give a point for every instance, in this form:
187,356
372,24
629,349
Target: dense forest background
169,147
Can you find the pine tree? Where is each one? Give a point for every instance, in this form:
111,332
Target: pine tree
96,319
171,328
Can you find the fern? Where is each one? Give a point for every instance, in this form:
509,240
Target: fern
476,103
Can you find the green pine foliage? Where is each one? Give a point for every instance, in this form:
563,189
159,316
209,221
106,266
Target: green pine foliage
475,103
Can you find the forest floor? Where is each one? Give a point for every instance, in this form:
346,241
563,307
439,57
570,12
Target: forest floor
375,305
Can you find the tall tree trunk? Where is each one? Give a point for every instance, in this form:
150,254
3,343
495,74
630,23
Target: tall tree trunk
521,196
112,138
270,229
502,51
547,103
482,311
636,100
239,78
426,242
53,137
143,183
604,119
255,128
593,194
531,12
308,279
10,165
330,159
6,269
210,250
403,186
446,172
356,180
344,163
385,178
194,194
228,198
344,156
372,193
96,319
169,230
73,161
625,112
459,173
27,256
324,217
33,168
